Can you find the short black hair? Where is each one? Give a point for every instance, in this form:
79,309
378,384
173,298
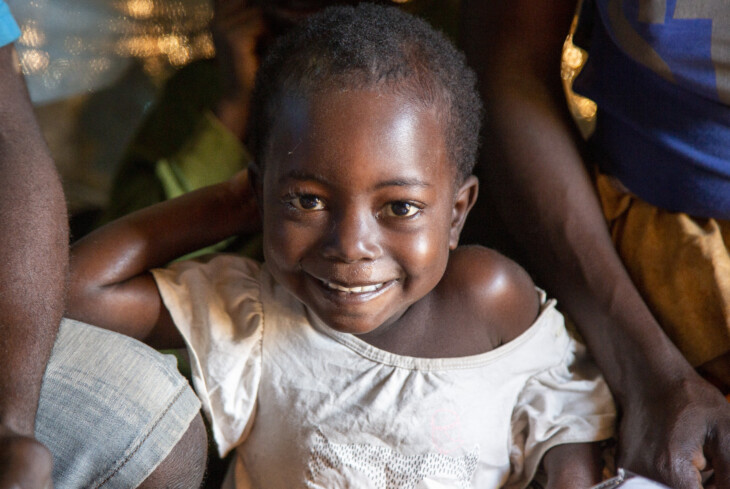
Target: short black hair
370,47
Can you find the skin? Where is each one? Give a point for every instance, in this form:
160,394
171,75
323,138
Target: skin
185,466
34,258
674,424
356,193
34,254
582,470
238,30
352,214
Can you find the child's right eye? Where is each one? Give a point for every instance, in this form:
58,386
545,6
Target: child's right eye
307,203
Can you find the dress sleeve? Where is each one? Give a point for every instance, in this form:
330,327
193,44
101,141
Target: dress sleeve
216,306
568,403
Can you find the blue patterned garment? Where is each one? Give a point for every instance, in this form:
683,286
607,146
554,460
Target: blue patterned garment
659,71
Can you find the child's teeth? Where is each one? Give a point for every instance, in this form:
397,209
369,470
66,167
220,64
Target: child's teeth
354,290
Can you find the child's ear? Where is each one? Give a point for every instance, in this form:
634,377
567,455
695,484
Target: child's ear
466,196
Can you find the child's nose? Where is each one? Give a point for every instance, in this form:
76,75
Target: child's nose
353,237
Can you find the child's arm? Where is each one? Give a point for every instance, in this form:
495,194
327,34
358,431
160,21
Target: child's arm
573,466
110,282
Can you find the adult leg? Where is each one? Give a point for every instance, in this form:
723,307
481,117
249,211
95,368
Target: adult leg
112,411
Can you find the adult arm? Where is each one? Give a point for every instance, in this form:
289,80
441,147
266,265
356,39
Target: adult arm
110,283
33,267
237,29
673,422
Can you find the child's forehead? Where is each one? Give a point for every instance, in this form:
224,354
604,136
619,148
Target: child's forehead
359,127
349,104
341,112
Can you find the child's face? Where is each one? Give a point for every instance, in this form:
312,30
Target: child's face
360,206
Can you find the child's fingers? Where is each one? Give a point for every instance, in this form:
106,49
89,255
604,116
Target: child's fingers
241,184
251,219
240,181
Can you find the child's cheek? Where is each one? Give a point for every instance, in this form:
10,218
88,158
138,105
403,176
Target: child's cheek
430,248
287,242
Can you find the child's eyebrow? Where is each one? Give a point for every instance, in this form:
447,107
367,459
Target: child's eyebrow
397,182
303,176
408,182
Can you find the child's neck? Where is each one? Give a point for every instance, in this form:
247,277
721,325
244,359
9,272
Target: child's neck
483,301
427,330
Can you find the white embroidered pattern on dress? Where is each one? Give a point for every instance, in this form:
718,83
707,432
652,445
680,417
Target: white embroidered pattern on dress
383,468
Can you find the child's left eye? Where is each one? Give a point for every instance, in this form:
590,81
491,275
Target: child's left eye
401,209
306,202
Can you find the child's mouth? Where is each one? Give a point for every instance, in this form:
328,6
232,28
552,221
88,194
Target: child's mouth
360,289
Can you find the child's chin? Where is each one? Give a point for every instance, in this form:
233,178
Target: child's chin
353,328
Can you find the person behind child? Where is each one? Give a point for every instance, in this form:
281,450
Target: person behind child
630,230
368,350
73,413
34,257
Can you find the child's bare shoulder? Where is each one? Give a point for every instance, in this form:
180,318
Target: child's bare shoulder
489,293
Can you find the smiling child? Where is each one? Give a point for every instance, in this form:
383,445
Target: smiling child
369,350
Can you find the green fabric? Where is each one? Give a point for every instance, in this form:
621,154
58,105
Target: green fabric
169,125
181,146
211,155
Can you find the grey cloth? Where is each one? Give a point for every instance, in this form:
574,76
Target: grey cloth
110,409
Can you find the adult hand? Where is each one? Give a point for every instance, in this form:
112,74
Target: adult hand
678,434
237,31
24,462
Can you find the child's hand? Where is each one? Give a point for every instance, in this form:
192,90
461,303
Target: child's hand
24,462
237,30
241,186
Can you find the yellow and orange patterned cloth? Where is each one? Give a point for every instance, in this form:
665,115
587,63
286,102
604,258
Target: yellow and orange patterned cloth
681,266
